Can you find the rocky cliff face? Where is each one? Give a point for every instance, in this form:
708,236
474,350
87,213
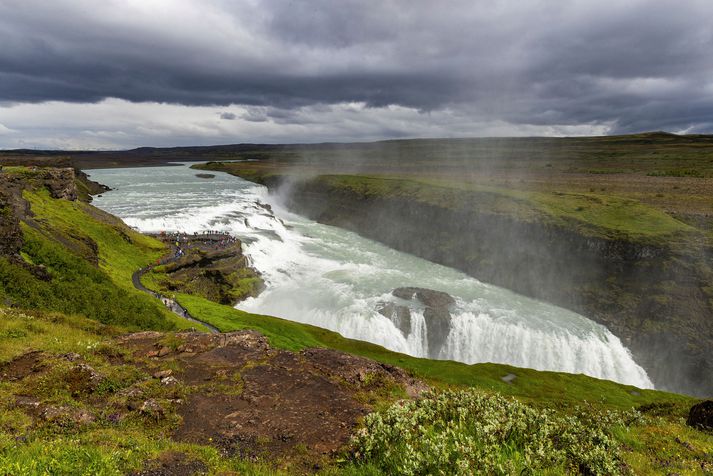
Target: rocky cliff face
87,187
61,177
10,232
61,184
658,300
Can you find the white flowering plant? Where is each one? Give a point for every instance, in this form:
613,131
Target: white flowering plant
470,432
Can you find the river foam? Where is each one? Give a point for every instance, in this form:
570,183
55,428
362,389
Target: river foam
336,279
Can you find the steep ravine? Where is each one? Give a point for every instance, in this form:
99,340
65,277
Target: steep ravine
332,278
657,299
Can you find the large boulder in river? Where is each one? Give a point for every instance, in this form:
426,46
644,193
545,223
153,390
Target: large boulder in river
438,326
427,297
436,313
701,416
399,315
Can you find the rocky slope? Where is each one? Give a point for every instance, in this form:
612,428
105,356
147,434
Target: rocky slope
231,392
10,233
61,183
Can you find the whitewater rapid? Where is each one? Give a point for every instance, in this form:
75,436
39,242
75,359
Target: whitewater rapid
335,279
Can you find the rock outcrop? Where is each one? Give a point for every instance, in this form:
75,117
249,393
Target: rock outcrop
436,307
248,398
428,297
10,232
215,269
232,391
60,182
59,175
701,416
399,315
88,187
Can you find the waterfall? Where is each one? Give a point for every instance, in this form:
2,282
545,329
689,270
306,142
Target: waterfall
335,279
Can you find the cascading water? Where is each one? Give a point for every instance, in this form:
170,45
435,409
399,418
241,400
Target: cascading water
335,279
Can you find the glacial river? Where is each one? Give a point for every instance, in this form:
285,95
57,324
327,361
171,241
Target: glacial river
335,279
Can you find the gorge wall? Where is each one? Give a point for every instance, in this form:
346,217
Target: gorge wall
656,298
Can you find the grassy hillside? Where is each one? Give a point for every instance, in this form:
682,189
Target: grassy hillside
66,407
590,213
63,238
76,258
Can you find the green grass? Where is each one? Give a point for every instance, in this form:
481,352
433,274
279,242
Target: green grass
554,388
661,446
18,170
594,214
110,452
677,173
282,333
21,330
590,213
611,215
74,287
121,249
65,237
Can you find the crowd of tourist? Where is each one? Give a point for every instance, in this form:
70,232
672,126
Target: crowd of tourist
211,239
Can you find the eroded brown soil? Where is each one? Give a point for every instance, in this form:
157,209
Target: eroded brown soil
232,391
22,366
251,400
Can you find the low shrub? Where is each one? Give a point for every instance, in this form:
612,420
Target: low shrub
468,432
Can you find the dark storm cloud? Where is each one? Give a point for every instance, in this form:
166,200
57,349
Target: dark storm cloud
228,116
639,65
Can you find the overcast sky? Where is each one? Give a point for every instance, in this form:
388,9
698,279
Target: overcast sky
127,73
